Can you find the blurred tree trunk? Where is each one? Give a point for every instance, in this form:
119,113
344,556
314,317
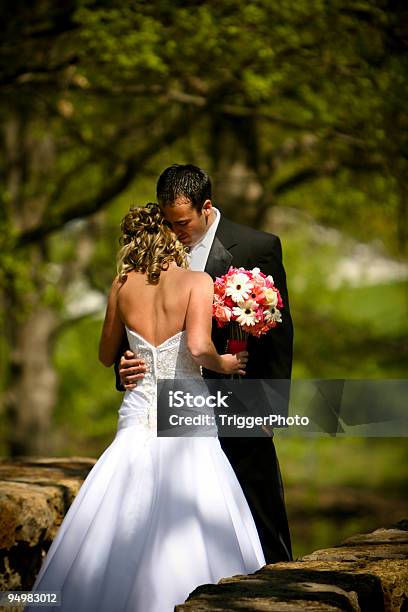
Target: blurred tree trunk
32,391
234,154
28,323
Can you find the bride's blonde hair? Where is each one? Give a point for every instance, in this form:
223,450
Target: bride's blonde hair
148,244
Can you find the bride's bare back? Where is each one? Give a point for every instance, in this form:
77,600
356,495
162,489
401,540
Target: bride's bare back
156,312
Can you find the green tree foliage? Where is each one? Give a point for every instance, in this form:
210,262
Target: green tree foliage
315,89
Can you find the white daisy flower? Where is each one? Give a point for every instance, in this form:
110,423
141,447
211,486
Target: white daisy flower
273,314
238,286
245,313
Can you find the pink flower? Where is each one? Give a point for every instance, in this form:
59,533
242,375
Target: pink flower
269,282
260,314
219,286
229,302
257,294
222,314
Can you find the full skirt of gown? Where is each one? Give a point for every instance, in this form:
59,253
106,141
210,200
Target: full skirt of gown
153,520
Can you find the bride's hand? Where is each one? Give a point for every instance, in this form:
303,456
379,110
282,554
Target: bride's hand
235,364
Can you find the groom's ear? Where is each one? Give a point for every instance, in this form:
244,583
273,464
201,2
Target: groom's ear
207,208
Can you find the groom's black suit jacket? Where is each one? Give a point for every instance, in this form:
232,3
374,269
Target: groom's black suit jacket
270,357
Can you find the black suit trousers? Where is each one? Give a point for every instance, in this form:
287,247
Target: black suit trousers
257,468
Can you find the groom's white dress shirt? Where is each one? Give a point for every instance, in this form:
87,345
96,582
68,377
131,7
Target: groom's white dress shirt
199,252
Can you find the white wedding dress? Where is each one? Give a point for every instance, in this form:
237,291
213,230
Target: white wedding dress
155,517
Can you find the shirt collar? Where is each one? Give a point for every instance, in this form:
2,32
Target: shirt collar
207,238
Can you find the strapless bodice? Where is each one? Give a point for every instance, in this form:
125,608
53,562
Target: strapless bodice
170,360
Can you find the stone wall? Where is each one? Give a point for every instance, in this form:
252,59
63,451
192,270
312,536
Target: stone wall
35,495
367,572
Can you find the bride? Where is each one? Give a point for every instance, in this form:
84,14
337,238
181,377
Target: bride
155,517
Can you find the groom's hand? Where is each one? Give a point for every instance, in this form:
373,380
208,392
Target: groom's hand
131,369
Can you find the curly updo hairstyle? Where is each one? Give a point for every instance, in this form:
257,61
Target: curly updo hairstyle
148,244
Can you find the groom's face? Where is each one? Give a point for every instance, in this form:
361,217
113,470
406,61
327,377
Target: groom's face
187,223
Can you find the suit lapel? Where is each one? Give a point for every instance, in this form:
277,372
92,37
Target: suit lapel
219,257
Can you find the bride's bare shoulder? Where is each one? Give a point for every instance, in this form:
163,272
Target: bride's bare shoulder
193,275
199,279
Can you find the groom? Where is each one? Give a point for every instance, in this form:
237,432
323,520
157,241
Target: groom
184,195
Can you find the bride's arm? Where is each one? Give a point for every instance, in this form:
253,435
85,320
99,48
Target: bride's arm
113,328
198,328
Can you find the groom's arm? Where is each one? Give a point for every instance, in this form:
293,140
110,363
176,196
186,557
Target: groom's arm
129,368
274,350
276,347
124,346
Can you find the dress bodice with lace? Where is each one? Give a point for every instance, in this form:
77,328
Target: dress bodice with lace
170,360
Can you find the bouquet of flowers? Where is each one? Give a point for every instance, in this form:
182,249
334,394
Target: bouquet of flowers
247,301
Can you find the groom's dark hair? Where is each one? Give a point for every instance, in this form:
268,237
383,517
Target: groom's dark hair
185,180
